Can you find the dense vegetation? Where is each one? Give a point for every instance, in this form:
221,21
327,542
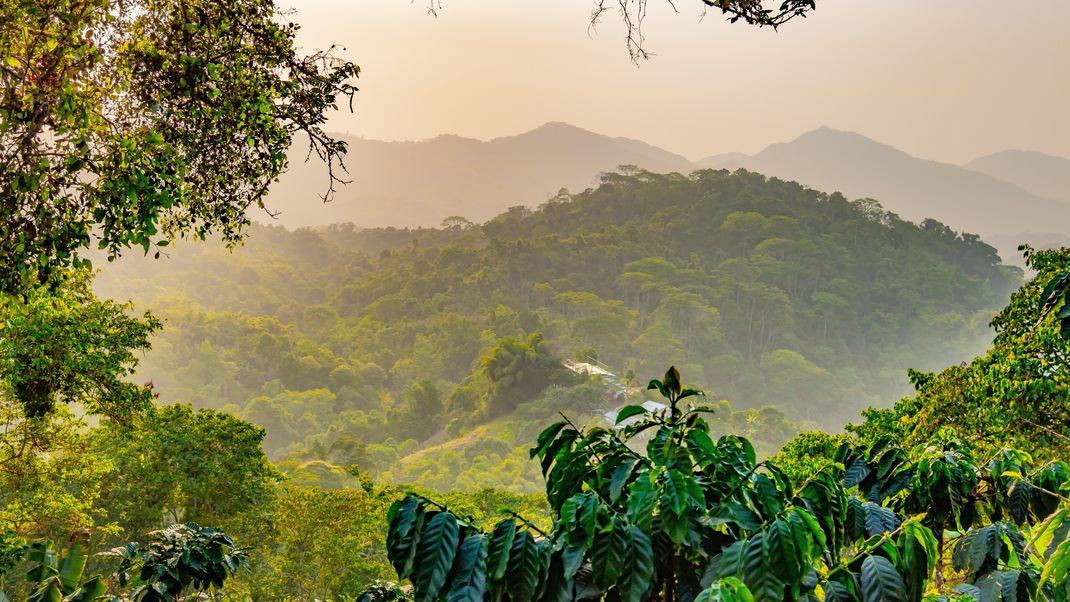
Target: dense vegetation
946,510
366,347
698,519
441,351
434,357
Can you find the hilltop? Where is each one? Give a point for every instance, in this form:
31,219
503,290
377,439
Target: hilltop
364,346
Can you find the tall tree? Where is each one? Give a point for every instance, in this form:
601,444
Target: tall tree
133,122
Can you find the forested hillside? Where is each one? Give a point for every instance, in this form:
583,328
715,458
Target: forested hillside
443,347
996,203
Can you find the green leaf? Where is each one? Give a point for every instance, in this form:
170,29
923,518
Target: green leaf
468,581
501,541
1046,534
70,570
879,519
90,591
881,582
1057,566
677,491
437,549
1020,497
525,566
728,589
609,553
759,574
672,381
588,516
628,411
656,384
572,559
621,474
546,436
639,570
405,518
641,499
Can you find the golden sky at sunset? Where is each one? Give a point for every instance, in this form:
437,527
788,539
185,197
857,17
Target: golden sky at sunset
941,79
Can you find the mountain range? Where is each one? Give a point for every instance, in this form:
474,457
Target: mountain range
412,184
1008,197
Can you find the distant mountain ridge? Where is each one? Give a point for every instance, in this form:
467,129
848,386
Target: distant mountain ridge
1043,175
915,189
413,184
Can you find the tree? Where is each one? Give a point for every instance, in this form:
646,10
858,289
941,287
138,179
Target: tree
64,355
1017,394
518,370
698,519
63,345
129,123
177,464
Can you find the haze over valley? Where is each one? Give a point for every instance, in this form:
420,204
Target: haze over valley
1008,198
635,301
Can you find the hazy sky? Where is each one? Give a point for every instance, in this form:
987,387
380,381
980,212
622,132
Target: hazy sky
941,79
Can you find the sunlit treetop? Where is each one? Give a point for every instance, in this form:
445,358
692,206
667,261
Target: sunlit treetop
129,123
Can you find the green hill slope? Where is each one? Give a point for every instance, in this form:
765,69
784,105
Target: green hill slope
365,346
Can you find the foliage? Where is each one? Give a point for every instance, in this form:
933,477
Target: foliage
808,453
66,346
1017,394
322,544
133,122
12,549
779,295
49,486
698,518
177,464
330,544
55,577
519,370
179,559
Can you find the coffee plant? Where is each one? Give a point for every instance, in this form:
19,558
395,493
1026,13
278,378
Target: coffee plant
698,519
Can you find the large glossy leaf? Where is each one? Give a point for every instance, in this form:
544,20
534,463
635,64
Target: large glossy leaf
639,566
629,411
588,517
525,567
46,564
621,474
609,553
1020,498
641,499
1057,567
677,491
879,519
405,517
761,577
437,549
72,566
1053,531
918,550
498,547
881,582
468,579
